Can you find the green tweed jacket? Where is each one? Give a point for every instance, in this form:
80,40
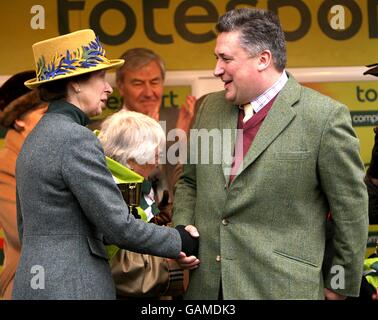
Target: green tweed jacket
263,235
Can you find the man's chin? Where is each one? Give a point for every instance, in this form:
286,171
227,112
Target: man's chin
149,106
229,97
148,109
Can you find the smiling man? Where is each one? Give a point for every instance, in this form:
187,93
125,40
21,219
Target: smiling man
262,223
140,81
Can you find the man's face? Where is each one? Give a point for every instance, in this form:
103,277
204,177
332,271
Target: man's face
236,68
142,90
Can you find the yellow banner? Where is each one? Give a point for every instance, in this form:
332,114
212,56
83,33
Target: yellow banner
319,33
362,99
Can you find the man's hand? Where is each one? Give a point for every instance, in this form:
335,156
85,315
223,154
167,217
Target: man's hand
192,230
375,295
331,295
190,262
186,114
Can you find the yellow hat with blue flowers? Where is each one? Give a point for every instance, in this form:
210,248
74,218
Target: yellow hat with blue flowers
69,55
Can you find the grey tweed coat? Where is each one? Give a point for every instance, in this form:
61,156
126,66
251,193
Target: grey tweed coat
68,205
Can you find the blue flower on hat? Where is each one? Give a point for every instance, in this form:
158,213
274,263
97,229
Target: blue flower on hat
83,58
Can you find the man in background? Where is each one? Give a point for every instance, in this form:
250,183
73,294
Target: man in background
140,82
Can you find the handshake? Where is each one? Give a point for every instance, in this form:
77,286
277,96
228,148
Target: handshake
189,250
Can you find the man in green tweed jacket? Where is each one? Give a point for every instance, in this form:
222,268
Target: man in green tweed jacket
262,220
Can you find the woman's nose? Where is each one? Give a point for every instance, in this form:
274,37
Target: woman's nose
108,88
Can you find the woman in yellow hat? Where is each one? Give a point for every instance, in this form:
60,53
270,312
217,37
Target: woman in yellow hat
68,204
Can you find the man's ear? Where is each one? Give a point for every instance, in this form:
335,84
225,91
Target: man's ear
120,88
19,125
265,60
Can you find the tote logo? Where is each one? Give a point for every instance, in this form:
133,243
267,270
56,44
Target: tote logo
330,16
38,20
199,27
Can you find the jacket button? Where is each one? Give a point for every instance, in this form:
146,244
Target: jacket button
218,258
225,222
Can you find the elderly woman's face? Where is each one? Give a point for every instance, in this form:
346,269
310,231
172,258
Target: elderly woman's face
144,169
93,94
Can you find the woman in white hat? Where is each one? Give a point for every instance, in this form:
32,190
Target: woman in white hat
68,204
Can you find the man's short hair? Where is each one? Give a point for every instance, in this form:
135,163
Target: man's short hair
259,30
137,58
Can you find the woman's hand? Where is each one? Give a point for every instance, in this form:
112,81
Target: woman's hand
191,262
